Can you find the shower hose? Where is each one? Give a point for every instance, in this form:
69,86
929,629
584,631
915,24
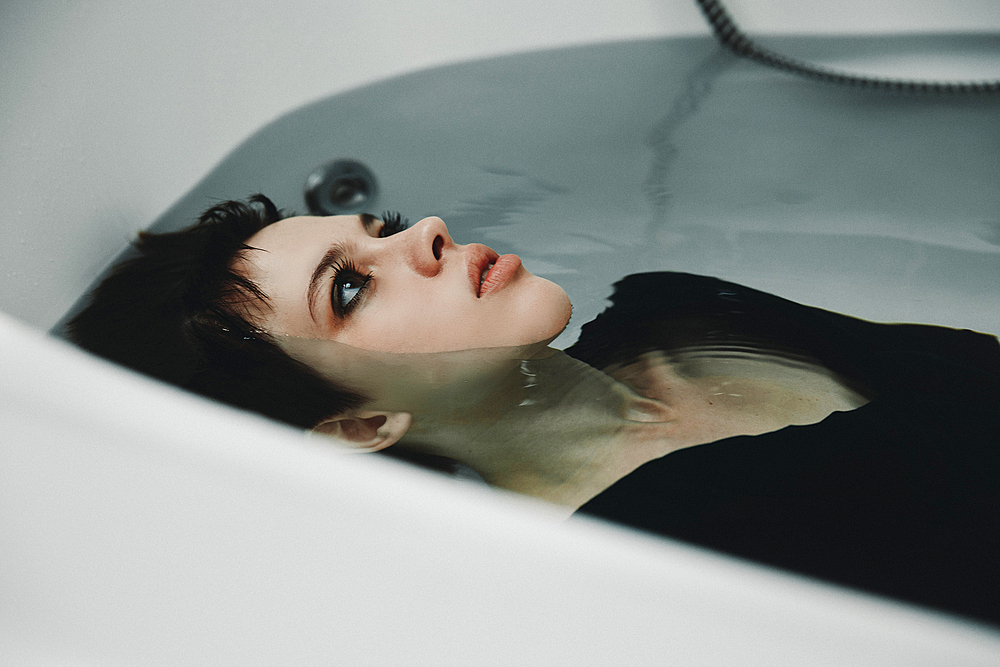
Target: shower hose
735,40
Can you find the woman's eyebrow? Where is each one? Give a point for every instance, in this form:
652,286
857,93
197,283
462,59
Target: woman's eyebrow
331,258
334,256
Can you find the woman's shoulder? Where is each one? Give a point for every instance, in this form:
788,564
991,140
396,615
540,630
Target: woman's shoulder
668,310
638,294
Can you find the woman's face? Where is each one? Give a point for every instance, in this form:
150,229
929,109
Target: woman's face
375,286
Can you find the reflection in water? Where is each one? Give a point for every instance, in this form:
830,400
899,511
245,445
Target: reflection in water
770,388
662,139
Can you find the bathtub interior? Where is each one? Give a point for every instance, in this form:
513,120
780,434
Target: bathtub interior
143,525
593,162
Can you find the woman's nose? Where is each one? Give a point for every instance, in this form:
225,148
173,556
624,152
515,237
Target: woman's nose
427,242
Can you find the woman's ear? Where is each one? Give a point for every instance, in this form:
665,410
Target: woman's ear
366,431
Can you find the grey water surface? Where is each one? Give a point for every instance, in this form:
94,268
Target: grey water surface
599,161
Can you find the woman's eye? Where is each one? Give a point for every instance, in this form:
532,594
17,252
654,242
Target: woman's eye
392,223
348,287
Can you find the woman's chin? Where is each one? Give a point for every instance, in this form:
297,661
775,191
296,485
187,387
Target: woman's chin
551,310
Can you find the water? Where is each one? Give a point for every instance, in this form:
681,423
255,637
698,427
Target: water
604,160
535,409
601,161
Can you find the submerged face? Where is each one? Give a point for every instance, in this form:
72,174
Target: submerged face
375,286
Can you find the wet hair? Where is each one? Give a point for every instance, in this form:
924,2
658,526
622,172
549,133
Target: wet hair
178,311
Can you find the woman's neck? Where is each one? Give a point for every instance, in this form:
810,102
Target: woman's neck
555,428
563,431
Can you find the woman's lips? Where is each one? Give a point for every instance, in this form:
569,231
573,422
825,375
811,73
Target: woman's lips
500,274
489,271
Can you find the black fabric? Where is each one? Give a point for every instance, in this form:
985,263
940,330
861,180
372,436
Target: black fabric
900,497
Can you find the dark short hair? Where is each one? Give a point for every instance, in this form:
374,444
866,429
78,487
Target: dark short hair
178,311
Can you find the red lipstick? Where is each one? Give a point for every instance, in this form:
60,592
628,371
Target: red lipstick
489,271
500,274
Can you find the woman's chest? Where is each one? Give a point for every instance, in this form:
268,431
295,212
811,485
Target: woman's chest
724,392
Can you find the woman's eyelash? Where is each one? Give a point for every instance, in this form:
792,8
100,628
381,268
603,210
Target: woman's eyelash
349,286
393,223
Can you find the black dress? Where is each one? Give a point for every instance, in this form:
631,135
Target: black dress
900,497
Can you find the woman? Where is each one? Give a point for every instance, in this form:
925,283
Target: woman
857,452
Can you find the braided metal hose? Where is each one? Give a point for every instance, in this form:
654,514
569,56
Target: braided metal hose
735,40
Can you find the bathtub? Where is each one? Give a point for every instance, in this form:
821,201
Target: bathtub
141,525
